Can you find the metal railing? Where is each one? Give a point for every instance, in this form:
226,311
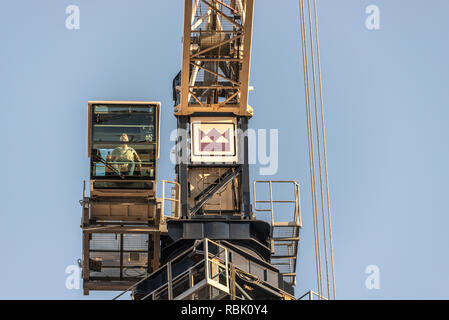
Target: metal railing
311,295
284,234
296,201
174,199
211,270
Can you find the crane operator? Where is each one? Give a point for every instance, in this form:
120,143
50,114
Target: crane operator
125,157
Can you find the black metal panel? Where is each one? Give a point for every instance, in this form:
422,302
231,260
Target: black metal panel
246,193
182,163
216,230
238,230
285,286
192,230
257,270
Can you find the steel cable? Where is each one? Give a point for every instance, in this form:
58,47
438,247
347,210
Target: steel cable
320,144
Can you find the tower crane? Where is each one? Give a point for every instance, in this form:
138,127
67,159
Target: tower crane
213,242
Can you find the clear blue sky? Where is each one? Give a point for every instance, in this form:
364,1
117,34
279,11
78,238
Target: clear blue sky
386,100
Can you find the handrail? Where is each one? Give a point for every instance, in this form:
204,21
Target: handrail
311,294
176,201
174,279
207,257
271,201
224,266
134,285
279,241
157,270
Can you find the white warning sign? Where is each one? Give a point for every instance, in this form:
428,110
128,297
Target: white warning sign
213,139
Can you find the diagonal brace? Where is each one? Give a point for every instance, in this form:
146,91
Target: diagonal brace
228,177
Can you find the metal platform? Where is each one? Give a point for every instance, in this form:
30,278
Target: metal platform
210,270
122,248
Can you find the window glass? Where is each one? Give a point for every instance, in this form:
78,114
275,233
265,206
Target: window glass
122,185
123,161
123,146
111,122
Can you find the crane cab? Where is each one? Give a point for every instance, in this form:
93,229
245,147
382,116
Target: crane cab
121,218
123,147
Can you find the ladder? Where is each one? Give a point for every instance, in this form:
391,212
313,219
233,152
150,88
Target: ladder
284,234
